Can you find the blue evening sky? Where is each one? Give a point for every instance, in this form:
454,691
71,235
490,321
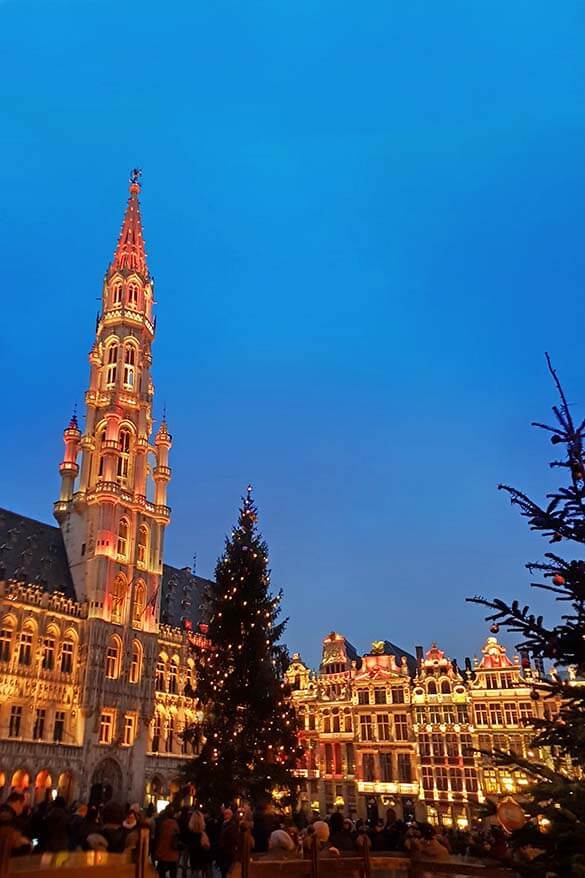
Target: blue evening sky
366,222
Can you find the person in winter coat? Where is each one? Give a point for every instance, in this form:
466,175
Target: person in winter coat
228,843
199,845
166,845
56,834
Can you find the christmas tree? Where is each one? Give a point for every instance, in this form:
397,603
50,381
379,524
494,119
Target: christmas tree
557,795
247,741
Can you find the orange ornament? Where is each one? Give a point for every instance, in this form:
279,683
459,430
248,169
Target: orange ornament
558,579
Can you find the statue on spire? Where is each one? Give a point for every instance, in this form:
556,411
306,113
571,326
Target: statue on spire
135,175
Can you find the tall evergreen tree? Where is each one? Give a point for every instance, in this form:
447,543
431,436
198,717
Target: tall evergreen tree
558,795
248,742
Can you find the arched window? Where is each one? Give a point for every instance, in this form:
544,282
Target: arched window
67,654
6,635
445,687
113,658
133,295
135,671
117,293
142,549
173,677
25,647
101,459
122,545
49,650
123,457
156,734
159,682
170,734
117,595
431,687
130,366
112,364
139,602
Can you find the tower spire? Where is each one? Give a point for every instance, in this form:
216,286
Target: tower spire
130,253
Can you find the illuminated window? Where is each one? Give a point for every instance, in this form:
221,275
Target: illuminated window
326,723
139,603
386,767
135,663
129,366
452,745
398,695
442,779
379,695
369,767
456,777
5,644
113,659
350,758
435,714
445,687
466,745
112,364
39,726
102,458
117,294
129,732
25,647
420,715
525,708
404,766
401,726
160,676
511,713
106,732
471,780
59,726
428,779
432,687
462,713
142,559
438,745
383,723
123,457
481,715
173,678
170,740
122,544
424,745
132,295
15,722
496,716
490,780
328,758
336,721
363,696
366,728
347,724
448,714
117,595
67,648
49,654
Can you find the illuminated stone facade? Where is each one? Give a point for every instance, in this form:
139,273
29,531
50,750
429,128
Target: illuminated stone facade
385,730
96,675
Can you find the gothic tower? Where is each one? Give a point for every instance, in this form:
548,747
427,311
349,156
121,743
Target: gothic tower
112,512
112,508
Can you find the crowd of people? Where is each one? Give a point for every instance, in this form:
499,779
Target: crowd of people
184,841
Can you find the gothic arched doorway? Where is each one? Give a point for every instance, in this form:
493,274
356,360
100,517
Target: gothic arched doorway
106,782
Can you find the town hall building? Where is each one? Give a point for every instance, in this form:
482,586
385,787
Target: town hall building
97,678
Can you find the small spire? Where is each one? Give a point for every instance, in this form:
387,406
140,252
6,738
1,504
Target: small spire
130,252
73,425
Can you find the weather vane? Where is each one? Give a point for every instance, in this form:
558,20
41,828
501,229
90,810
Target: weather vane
135,175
